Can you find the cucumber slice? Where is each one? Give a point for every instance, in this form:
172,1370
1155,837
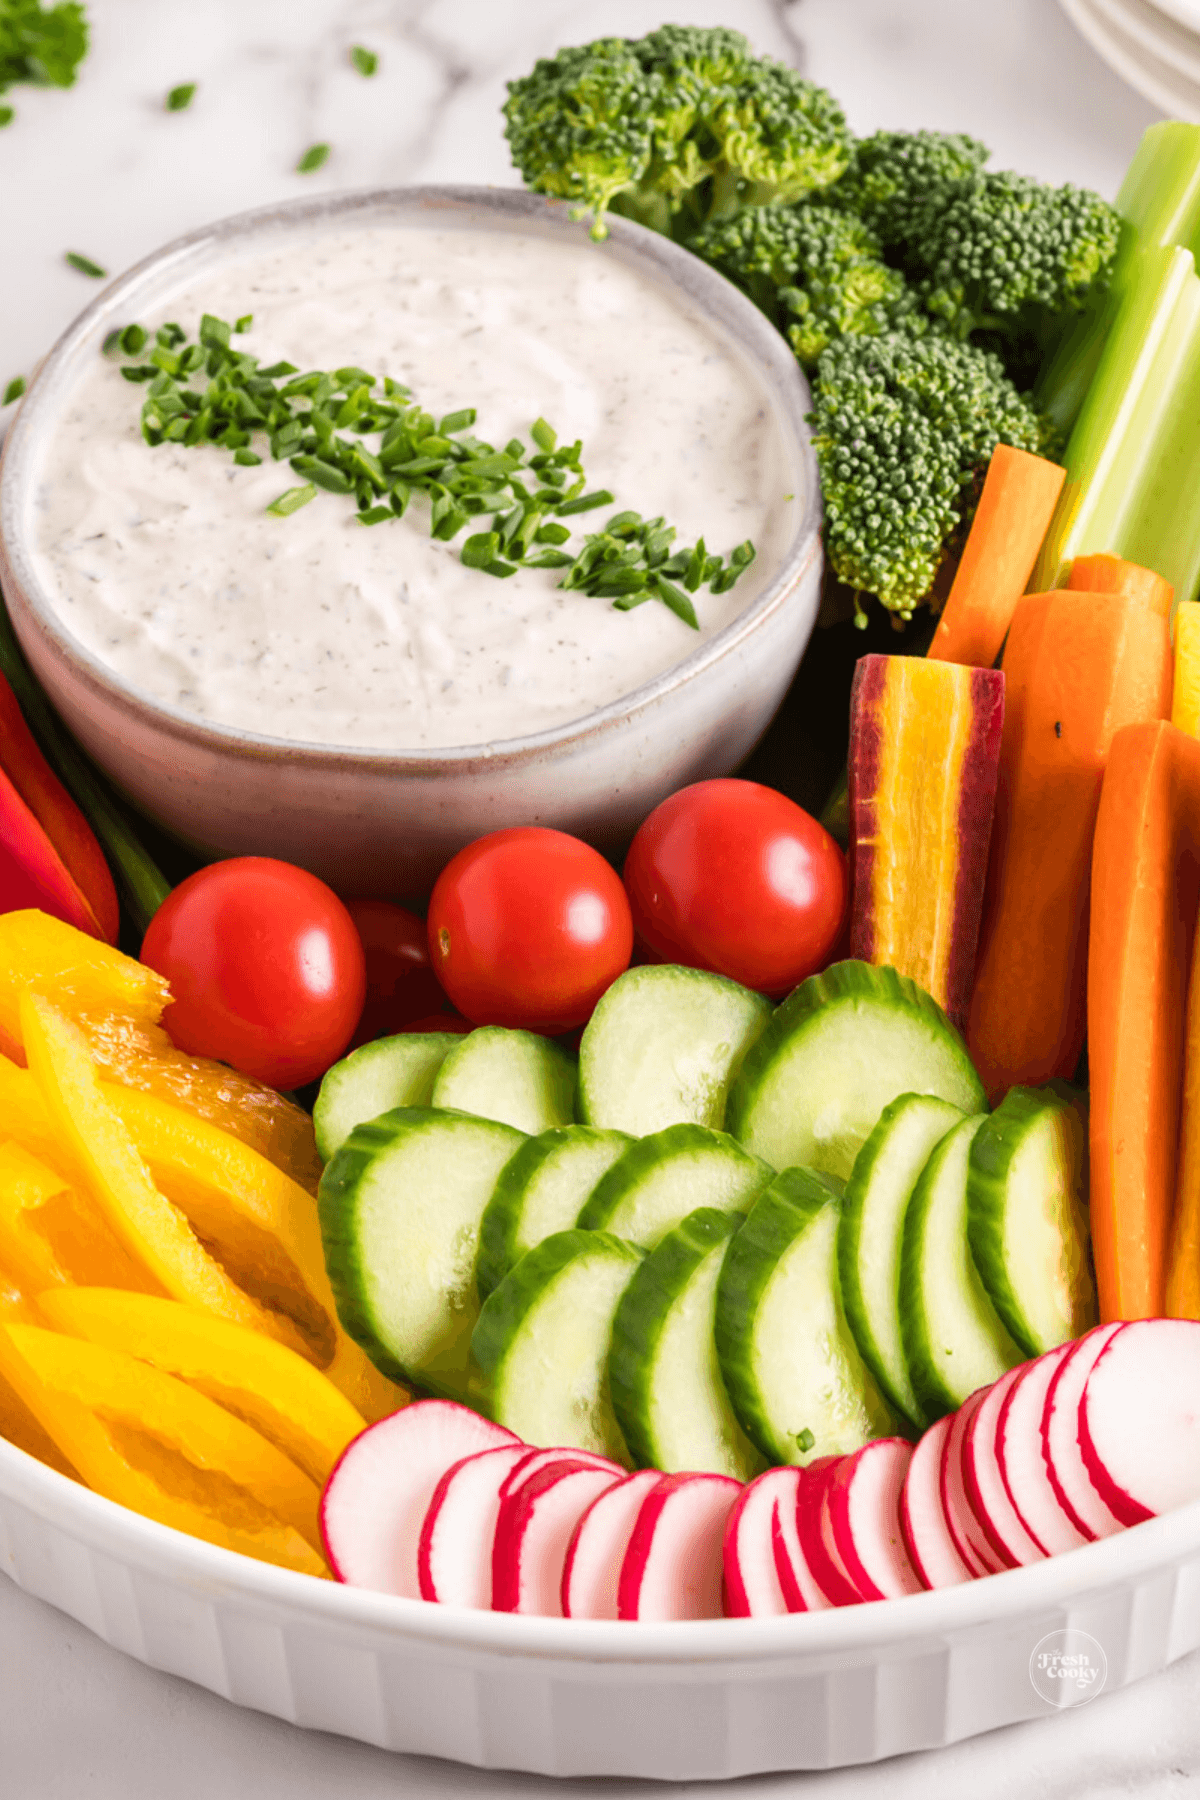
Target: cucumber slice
953,1340
542,1342
661,1179
842,1046
513,1076
667,1389
391,1072
662,1046
540,1192
873,1207
1027,1220
798,1385
400,1206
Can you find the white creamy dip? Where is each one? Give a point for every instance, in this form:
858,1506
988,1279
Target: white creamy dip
165,565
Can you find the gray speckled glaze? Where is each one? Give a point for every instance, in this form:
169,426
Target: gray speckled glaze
383,823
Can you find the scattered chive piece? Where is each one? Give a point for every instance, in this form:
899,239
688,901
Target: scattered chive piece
7,115
181,97
14,390
365,61
303,416
312,159
292,499
804,1440
85,265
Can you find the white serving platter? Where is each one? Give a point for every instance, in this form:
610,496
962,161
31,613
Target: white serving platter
1159,74
675,1702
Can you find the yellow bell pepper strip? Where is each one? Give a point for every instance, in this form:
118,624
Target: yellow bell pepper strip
117,1003
152,1443
292,1404
98,1144
17,1423
51,1234
263,1226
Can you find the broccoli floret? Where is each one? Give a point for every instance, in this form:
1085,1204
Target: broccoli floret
903,426
816,272
1001,251
672,129
893,173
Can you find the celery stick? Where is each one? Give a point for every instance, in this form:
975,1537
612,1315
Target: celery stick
1160,202
1133,460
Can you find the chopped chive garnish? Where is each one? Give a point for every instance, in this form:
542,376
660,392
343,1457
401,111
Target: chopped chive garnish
7,115
181,97
292,499
208,392
85,265
365,61
312,159
14,390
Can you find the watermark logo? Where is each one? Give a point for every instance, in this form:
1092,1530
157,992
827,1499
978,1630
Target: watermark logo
1068,1668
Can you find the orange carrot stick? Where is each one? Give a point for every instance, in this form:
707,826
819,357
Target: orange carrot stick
1019,495
1145,890
1077,668
1105,574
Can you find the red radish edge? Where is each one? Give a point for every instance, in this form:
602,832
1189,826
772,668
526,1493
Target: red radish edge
672,1568
864,1512
1021,1456
931,1545
466,1502
1065,1465
984,1484
816,1537
597,1549
966,1530
537,1516
375,1500
752,1581
1142,1377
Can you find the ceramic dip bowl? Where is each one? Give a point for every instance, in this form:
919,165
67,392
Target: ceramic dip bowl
376,818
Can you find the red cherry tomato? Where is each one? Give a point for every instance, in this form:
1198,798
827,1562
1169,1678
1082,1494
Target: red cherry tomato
401,986
528,927
734,877
265,965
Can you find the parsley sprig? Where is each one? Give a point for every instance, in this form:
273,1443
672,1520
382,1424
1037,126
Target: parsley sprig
209,392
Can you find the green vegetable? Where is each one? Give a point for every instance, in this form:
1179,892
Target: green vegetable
85,265
14,390
313,157
365,61
672,129
181,97
210,393
902,425
893,175
44,46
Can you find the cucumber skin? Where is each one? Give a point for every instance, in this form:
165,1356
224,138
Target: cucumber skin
506,1306
991,1151
323,1150
497,1228
655,1285
849,1232
643,1154
336,1207
842,982
561,1067
776,1219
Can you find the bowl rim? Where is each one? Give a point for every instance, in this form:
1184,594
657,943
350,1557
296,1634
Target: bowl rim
845,1633
756,340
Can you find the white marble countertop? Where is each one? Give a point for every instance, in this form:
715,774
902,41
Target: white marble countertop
105,171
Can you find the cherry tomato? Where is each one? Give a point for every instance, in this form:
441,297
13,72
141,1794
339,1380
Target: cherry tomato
401,986
734,877
528,927
266,968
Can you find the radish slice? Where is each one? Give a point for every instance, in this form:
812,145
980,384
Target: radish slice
968,1534
1021,1456
454,1556
378,1493
801,1590
537,1516
598,1545
817,1547
864,1511
935,1555
984,1483
1068,1472
672,1568
544,1459
1139,1419
753,1580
